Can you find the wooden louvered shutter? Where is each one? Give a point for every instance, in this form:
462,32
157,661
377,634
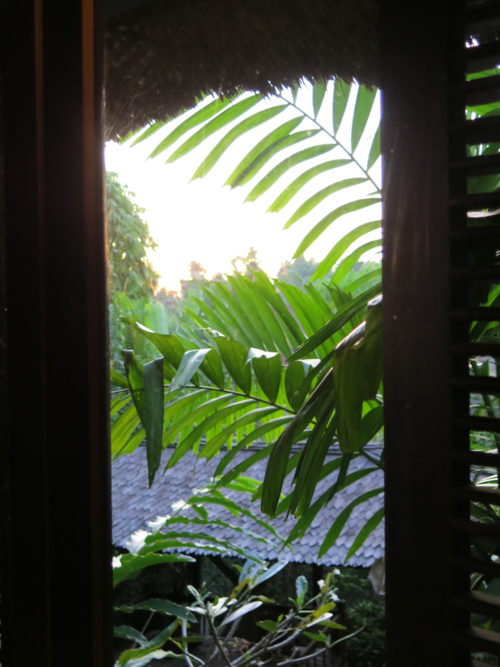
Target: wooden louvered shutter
442,356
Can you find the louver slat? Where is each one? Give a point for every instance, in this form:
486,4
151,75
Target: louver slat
474,327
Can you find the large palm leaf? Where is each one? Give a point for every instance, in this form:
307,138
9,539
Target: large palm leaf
220,398
313,155
259,367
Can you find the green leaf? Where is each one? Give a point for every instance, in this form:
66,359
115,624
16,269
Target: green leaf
301,180
343,481
132,564
365,531
201,430
241,611
341,93
200,116
148,132
364,103
357,367
252,437
374,153
341,520
162,606
324,223
342,317
234,110
241,128
191,362
344,244
319,196
152,418
168,345
243,172
280,169
267,625
143,656
298,380
234,355
117,379
267,367
213,445
135,380
130,633
319,91
185,419
347,263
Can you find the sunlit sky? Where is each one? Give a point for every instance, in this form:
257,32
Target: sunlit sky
202,220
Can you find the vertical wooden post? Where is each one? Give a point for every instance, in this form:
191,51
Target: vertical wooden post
420,583
59,557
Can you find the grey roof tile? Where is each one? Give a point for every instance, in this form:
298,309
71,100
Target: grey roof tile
134,504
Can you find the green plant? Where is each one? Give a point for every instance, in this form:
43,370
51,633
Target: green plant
260,364
334,119
306,630
228,393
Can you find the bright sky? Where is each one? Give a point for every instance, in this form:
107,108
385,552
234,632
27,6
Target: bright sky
202,220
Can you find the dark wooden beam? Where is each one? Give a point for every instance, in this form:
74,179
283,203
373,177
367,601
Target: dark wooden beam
58,602
419,543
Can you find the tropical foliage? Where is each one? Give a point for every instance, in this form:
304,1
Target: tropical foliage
265,360
308,628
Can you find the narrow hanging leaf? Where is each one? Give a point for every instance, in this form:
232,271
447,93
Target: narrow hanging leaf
281,168
302,179
319,91
374,153
364,103
254,436
227,116
344,244
239,174
342,317
319,196
325,222
152,418
148,132
341,93
343,481
347,263
357,367
365,531
241,128
341,520
135,379
253,417
271,151
193,120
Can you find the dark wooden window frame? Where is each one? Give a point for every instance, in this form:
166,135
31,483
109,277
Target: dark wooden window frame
57,595
57,569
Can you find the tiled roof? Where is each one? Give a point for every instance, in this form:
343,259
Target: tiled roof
134,504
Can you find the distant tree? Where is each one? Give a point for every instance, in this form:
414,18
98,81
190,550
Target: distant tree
246,264
298,271
129,240
197,271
